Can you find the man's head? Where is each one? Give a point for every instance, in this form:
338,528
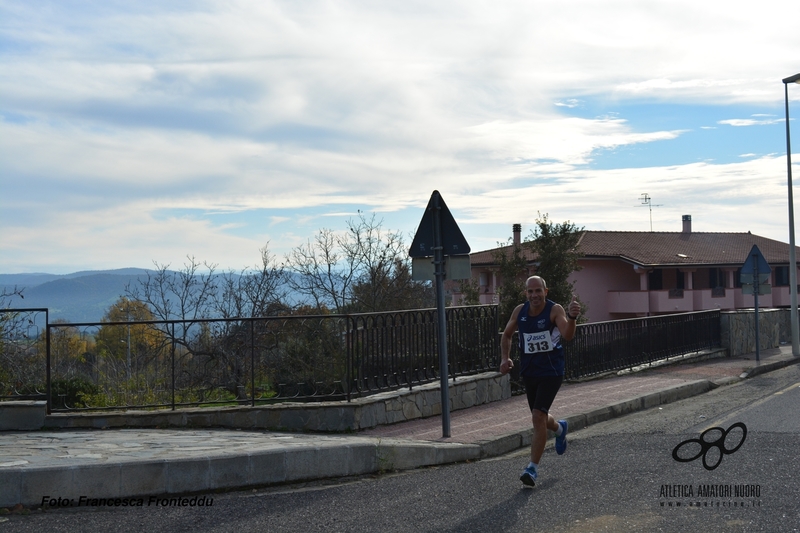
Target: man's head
536,292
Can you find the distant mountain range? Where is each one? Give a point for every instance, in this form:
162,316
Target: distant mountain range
81,296
77,297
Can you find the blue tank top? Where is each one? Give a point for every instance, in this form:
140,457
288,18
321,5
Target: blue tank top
540,349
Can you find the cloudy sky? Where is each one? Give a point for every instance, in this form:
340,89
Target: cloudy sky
133,132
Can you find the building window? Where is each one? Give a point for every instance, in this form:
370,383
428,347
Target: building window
680,280
782,276
716,278
655,280
737,278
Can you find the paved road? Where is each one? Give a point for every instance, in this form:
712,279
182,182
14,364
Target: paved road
616,476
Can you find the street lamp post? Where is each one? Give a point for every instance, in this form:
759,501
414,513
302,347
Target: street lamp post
792,255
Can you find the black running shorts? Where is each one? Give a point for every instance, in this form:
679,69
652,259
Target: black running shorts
542,391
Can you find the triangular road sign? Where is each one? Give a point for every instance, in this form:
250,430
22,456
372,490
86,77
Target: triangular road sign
453,241
749,267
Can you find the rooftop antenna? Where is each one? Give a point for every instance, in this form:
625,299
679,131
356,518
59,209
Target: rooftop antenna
646,200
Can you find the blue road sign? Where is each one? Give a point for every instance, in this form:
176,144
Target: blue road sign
755,259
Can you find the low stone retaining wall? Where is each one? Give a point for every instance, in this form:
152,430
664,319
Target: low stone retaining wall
738,330
361,413
21,415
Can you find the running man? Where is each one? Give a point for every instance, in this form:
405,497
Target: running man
542,325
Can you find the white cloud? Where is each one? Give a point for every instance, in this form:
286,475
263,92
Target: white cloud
141,130
569,103
738,122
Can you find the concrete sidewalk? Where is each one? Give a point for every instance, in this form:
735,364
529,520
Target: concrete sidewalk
120,466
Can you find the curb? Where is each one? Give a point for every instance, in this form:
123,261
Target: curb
768,367
132,480
519,439
353,456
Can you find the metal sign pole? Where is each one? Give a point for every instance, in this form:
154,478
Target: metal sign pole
438,260
449,244
756,290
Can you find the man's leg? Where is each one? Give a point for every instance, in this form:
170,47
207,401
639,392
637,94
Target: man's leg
541,423
541,392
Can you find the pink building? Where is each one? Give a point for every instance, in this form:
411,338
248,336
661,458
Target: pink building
631,274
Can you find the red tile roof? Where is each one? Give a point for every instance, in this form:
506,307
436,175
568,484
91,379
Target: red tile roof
487,256
666,248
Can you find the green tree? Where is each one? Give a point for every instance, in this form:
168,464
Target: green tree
128,348
68,348
555,247
470,292
512,270
71,364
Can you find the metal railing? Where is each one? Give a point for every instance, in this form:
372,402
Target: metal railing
23,349
602,347
620,344
241,361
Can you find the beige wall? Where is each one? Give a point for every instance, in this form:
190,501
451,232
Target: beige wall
612,289
596,278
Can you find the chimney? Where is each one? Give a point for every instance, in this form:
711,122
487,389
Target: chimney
517,229
687,224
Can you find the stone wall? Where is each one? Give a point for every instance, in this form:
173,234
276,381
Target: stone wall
738,330
785,321
385,408
22,415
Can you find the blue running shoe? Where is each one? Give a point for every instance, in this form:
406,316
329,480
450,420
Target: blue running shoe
528,476
561,442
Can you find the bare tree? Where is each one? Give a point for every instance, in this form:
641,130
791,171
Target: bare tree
8,293
253,292
212,352
186,294
380,256
365,268
324,271
18,359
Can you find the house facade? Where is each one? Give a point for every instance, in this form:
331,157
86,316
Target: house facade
626,274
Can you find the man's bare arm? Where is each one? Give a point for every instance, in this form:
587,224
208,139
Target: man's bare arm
506,364
566,321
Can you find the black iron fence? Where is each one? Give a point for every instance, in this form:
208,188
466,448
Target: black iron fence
616,345
23,364
602,347
157,364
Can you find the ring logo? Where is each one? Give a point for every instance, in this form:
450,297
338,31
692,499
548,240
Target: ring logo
682,450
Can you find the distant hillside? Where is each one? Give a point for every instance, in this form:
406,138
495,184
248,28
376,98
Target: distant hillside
77,297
